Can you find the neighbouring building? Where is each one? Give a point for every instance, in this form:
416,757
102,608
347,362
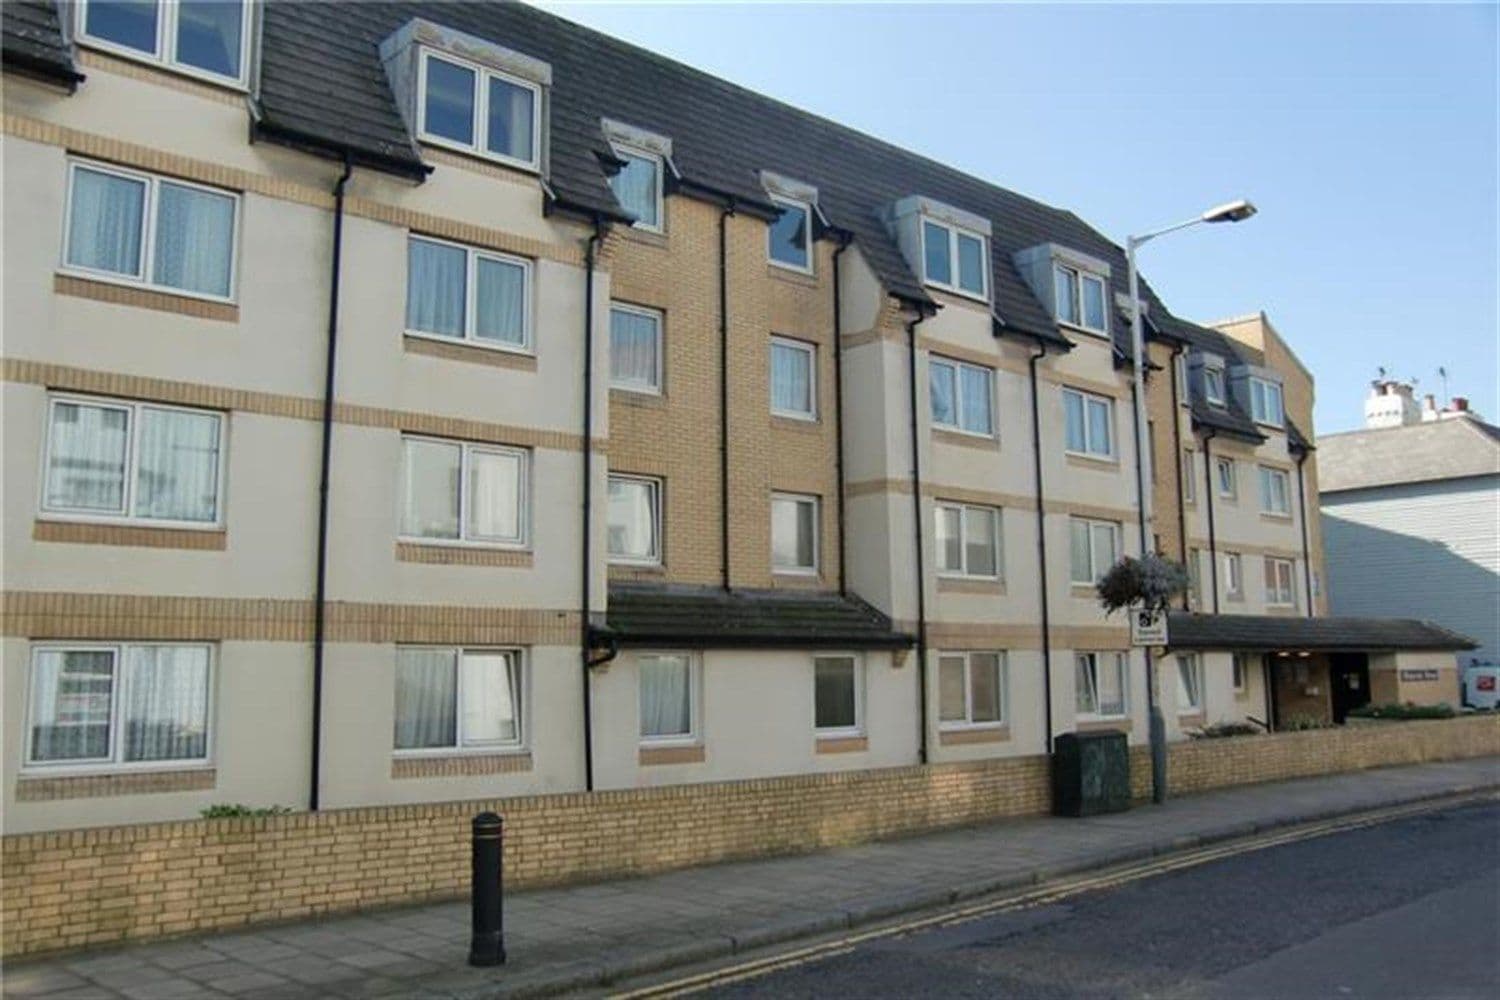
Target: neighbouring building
420,402
1411,513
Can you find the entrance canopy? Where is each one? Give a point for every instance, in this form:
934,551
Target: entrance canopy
1187,630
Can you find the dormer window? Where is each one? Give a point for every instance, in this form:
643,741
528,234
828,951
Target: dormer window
480,110
1265,402
1080,298
790,236
1213,386
955,259
208,38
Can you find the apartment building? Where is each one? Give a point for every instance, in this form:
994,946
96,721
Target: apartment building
415,402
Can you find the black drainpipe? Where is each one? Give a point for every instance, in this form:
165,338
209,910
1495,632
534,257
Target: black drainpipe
585,638
320,589
838,406
916,502
724,215
1208,498
1302,511
1041,539
1182,546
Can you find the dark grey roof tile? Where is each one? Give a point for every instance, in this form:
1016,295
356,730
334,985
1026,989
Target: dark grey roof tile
1273,633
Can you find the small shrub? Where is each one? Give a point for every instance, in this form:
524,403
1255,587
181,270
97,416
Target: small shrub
238,811
1409,710
1223,730
1302,723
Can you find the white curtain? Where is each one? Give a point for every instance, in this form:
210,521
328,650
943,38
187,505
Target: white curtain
104,229
985,687
1085,681
166,707
1189,683
970,264
426,698
1081,564
979,541
633,346
1100,432
208,35
1066,283
950,538
1105,552
942,384
1093,303
177,470
71,695
666,692
936,257
86,458
500,301
491,697
494,509
635,187
436,288
976,400
951,704
792,534
510,119
1111,680
194,239
791,379
632,519
429,489
1073,411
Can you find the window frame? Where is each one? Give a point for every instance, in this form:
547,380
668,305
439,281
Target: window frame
1220,464
1239,672
1086,397
1234,576
145,278
958,397
997,546
480,119
133,408
112,762
694,736
657,489
1269,473
1273,588
953,231
523,487
1002,668
1196,663
164,53
472,256
1122,660
624,150
841,732
1267,387
520,695
660,318
817,541
1189,476
1092,523
807,236
1072,281
811,351
1214,376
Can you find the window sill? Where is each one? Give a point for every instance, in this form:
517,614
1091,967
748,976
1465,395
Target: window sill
645,237
452,349
1096,462
967,735
1286,610
1104,725
970,585
144,297
139,536
138,67
1083,590
646,399
786,580
124,54
1266,515
39,786
462,555
965,439
478,157
792,274
1191,720
461,765
958,295
842,744
1086,331
799,425
651,756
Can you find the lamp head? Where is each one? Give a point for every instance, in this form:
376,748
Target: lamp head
1234,211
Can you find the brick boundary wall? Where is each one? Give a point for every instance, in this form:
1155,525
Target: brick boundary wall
70,889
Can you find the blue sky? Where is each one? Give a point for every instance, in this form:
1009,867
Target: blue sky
1366,134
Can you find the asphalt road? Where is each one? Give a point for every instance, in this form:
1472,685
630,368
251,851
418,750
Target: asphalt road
1407,909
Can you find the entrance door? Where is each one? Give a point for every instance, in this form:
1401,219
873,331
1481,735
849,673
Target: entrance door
1349,683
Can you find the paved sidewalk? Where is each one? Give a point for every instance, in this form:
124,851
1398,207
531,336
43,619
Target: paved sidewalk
571,939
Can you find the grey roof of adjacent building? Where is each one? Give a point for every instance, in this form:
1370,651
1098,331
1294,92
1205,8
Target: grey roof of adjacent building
1456,448
32,42
1188,631
683,616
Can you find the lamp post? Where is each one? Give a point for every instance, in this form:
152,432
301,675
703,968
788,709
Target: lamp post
1234,211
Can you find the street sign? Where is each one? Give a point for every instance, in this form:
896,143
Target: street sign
1148,628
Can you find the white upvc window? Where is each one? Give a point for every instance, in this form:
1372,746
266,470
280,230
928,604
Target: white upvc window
968,540
114,460
456,292
133,228
1081,298
635,348
638,186
1102,685
1189,476
789,235
794,379
838,695
458,492
1275,491
1179,372
106,706
794,533
1213,385
971,689
1189,684
1241,672
1227,477
203,38
1089,424
1281,588
634,520
451,698
1094,546
955,259
961,396
668,698
1195,577
1234,580
470,107
1265,402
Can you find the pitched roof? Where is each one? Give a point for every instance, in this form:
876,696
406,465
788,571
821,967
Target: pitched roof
1442,449
1187,630
685,616
31,41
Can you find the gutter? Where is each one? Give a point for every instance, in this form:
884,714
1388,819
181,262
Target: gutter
1041,538
37,68
320,585
844,240
1208,498
328,148
586,569
916,506
724,215
1302,515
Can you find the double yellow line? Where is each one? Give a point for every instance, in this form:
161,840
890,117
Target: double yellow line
1037,897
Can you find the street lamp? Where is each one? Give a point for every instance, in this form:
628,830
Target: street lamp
1234,211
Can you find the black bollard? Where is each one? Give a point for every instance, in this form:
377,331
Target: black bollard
487,945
